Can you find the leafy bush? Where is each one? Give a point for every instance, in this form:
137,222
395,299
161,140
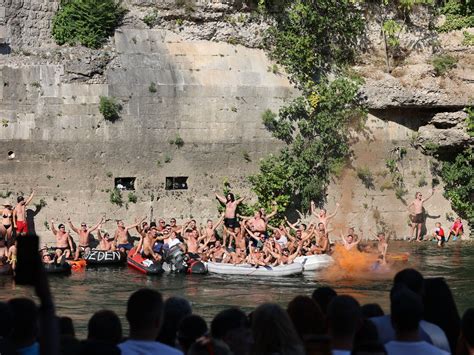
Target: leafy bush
88,22
109,108
468,39
116,197
443,63
132,198
151,19
365,175
152,88
459,15
458,176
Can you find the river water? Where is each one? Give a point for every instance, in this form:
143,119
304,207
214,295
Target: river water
81,294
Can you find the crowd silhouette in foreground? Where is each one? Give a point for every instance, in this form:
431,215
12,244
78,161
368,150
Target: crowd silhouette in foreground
423,320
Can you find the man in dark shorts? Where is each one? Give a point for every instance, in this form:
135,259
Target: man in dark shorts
230,214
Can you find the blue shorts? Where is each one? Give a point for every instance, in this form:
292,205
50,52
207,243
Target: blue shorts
127,246
157,247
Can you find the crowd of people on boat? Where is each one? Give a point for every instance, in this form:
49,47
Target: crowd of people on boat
231,239
423,319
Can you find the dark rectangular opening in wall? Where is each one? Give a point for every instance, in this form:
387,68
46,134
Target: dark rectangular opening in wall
176,183
125,183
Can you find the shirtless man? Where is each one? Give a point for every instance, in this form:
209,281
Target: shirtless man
174,227
104,243
19,215
382,246
191,241
349,241
258,222
209,233
217,252
322,243
121,236
146,243
230,219
284,257
415,208
63,239
322,215
84,236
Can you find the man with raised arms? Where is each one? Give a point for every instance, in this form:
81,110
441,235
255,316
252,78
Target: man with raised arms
350,241
209,233
19,215
122,235
84,235
230,217
63,239
415,208
322,215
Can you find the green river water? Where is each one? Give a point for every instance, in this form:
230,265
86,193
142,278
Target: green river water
81,294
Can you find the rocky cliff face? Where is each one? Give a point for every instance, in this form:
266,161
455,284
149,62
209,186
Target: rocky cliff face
173,73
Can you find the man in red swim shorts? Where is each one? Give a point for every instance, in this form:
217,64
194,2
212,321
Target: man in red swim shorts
19,215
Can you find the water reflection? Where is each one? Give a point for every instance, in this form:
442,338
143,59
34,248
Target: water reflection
83,293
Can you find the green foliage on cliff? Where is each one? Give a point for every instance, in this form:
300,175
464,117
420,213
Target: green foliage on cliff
109,108
458,176
311,40
87,22
310,37
443,63
459,14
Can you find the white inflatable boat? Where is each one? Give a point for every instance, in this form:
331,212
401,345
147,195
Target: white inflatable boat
314,262
249,270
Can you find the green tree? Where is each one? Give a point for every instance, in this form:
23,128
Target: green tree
310,36
88,22
458,176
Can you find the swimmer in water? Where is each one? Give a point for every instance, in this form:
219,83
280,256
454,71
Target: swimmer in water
350,241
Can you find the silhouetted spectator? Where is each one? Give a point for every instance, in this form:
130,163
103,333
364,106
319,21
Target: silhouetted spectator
344,320
371,310
175,309
210,346
105,326
306,316
190,328
145,316
232,326
429,332
446,317
367,339
68,343
323,296
465,344
104,332
25,325
6,316
407,311
273,332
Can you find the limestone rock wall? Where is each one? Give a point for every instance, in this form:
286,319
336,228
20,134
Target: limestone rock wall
211,95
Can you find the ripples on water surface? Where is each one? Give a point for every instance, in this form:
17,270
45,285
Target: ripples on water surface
81,294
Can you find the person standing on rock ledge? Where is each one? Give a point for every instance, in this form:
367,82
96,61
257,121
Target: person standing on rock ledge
416,210
19,215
